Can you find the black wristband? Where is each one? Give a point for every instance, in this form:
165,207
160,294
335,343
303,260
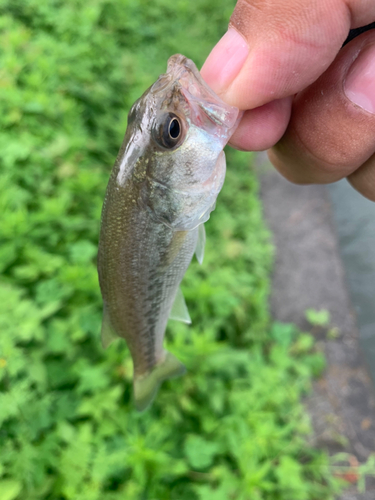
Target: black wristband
358,31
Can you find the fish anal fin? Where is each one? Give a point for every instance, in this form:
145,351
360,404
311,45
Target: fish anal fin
201,242
179,310
147,386
107,333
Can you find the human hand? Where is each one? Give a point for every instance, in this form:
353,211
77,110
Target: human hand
309,100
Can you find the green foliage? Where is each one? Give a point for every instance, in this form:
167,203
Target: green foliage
234,426
318,318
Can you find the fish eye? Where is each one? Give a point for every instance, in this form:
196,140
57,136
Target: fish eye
169,130
174,129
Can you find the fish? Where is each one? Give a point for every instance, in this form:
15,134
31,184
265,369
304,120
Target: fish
162,189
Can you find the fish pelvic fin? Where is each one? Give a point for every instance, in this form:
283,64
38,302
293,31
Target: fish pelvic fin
107,333
201,242
179,310
146,386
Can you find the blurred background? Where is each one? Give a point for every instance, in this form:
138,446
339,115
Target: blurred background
234,427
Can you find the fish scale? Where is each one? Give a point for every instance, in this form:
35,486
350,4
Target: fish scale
140,276
162,188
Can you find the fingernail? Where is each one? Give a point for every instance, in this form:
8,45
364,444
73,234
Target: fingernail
359,86
225,60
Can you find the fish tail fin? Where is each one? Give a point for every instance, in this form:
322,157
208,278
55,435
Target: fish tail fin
146,386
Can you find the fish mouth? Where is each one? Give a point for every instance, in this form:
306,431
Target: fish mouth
203,107
192,84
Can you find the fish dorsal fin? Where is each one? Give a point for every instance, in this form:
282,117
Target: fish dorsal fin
107,333
199,249
179,310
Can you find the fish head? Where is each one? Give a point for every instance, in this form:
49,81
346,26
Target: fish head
176,134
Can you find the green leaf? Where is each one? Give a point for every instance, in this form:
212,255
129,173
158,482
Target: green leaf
200,452
9,489
318,318
283,333
82,252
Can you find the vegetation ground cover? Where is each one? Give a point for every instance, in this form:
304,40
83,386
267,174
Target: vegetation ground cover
234,426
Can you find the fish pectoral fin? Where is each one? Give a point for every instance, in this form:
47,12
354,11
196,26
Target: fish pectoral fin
146,386
107,333
199,249
179,309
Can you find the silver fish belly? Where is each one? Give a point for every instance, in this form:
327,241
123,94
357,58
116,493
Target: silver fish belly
162,189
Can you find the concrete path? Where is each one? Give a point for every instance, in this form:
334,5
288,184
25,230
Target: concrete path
309,274
354,218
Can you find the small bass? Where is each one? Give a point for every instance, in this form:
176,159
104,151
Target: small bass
163,187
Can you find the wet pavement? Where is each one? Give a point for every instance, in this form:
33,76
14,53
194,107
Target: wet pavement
309,273
354,218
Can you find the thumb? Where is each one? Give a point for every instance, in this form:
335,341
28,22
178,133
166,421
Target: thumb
276,48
